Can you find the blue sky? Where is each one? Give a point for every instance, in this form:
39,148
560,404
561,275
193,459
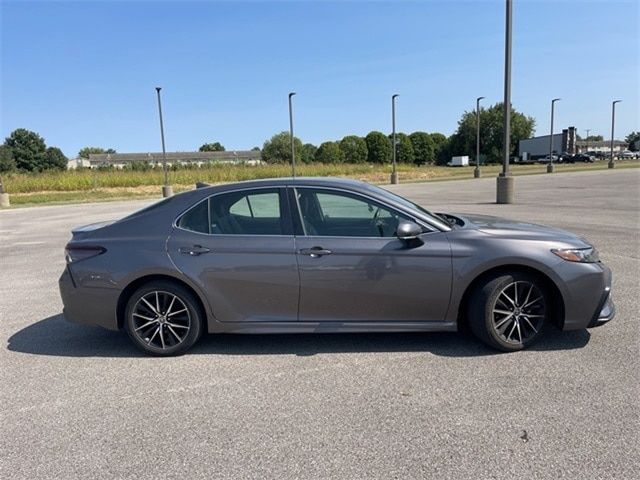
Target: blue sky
83,73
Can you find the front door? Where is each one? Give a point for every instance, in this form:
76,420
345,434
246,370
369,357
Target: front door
239,248
354,268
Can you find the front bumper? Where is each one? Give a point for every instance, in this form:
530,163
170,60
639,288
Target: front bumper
605,312
586,293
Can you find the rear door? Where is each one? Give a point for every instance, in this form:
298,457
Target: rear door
353,268
239,248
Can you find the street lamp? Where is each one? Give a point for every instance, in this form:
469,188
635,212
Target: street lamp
613,125
476,172
167,191
394,173
293,148
505,186
550,167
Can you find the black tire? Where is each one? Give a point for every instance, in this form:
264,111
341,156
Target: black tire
523,326
172,332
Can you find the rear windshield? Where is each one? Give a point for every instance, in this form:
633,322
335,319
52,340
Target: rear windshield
150,208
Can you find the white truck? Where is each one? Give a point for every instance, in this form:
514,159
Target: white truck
461,161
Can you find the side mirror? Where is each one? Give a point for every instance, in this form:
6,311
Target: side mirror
408,231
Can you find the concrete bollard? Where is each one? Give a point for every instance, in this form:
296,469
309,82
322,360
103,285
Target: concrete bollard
4,200
167,191
505,191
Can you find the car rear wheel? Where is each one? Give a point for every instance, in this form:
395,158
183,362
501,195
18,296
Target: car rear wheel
508,312
163,319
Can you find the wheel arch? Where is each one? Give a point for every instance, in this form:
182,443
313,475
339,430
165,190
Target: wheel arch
558,307
140,281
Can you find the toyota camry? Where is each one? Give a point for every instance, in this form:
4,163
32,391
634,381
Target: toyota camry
304,255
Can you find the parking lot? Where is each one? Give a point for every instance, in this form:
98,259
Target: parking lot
82,402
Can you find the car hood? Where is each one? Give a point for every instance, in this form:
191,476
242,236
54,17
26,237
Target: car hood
515,229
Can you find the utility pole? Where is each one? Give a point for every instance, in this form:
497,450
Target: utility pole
394,173
167,191
293,148
476,172
550,167
505,186
586,141
613,126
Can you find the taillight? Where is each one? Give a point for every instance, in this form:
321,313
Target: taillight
75,253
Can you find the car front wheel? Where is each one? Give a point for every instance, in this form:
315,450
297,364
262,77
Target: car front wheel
508,312
163,319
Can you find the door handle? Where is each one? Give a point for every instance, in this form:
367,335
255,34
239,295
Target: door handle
315,252
194,250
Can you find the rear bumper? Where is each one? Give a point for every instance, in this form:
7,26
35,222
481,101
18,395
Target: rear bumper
88,305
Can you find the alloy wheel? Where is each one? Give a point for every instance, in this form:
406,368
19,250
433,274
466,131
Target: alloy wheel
161,320
518,312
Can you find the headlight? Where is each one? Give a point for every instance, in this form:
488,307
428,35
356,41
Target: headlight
582,255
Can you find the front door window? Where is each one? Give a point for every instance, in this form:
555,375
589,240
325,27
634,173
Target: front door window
327,213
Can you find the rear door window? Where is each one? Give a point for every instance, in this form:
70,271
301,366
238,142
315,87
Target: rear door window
247,212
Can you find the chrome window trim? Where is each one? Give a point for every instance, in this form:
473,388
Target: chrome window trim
236,190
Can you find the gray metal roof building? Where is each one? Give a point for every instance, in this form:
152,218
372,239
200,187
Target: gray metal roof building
121,159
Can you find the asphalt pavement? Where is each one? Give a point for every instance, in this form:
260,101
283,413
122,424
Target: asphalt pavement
81,402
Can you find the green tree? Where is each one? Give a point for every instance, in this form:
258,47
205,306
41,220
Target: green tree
86,151
633,141
54,159
354,149
463,141
212,147
308,153
329,152
378,147
278,148
440,148
7,162
423,148
404,148
28,149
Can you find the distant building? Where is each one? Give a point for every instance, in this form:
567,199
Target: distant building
600,146
536,147
79,162
119,160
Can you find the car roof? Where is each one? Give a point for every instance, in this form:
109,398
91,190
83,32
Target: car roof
293,181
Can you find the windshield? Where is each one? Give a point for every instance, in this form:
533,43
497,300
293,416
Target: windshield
407,203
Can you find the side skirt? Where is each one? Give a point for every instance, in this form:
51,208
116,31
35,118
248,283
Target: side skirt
330,327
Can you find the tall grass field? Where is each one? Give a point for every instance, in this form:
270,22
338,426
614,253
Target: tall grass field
91,185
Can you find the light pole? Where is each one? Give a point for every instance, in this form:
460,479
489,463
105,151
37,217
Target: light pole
505,186
167,191
293,148
476,172
551,167
394,173
613,126
586,141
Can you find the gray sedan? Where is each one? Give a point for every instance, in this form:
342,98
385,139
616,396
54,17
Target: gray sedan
326,255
